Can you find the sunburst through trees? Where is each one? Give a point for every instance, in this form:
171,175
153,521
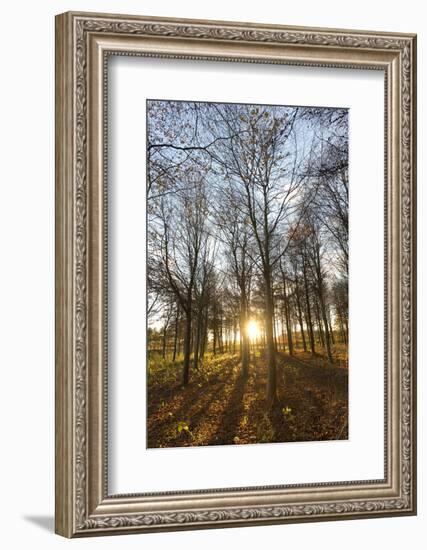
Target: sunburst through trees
247,273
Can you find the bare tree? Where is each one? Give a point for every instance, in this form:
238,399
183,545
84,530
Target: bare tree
180,246
235,235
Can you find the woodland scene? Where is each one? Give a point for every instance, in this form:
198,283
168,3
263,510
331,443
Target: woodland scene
247,273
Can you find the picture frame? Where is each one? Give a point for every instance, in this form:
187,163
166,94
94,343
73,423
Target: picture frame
84,42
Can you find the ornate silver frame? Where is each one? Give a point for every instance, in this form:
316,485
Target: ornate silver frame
83,42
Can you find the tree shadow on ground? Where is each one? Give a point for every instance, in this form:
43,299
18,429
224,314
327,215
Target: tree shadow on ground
177,405
192,406
314,398
232,413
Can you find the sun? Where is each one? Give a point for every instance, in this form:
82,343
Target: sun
252,329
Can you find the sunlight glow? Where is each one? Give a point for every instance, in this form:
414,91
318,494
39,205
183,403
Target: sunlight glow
253,329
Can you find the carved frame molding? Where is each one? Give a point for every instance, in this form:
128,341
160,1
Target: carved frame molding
83,43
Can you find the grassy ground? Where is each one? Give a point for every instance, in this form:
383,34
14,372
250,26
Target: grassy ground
219,407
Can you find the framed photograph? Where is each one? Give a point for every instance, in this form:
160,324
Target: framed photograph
235,274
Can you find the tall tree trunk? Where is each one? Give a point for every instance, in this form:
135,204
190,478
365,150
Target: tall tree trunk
322,303
282,322
308,311
215,329
321,294
244,335
204,335
274,329
320,334
287,316
197,341
325,322
221,334
175,338
299,309
187,348
295,335
271,352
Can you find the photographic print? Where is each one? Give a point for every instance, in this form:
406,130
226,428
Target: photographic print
247,273
202,274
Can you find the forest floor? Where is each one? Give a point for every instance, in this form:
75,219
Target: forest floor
220,407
